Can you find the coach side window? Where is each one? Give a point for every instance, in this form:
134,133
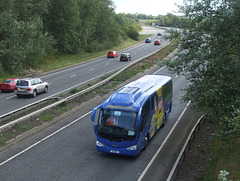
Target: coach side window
154,102
145,114
167,90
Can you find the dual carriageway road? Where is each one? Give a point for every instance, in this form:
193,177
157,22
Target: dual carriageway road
65,80
66,150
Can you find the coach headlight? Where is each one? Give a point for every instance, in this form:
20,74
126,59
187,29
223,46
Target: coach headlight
132,147
99,144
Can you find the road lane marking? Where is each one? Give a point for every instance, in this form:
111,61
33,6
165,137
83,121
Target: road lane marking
107,64
54,133
11,97
37,143
92,69
159,70
163,143
73,75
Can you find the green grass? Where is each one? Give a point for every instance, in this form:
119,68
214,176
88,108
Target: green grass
21,127
61,61
144,21
75,90
140,67
101,91
63,104
56,62
4,137
225,156
2,142
104,77
8,135
5,76
46,117
65,108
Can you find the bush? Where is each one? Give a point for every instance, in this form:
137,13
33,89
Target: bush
231,129
133,34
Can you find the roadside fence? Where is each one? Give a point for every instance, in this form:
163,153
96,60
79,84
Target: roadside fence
185,148
58,101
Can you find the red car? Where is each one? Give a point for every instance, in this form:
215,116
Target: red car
157,42
112,54
8,84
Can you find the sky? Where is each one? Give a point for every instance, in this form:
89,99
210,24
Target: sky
148,7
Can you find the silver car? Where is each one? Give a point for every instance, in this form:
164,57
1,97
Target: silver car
30,86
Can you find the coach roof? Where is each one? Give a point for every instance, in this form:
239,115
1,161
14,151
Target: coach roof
135,93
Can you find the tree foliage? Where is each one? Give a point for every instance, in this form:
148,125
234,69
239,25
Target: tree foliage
23,41
209,55
63,23
32,29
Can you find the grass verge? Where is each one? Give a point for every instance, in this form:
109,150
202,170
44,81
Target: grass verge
46,117
112,85
56,62
224,156
60,61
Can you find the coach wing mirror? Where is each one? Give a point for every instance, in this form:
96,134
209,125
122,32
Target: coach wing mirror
94,113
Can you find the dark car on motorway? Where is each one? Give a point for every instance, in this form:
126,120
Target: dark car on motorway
112,54
8,84
125,57
148,40
159,34
157,42
30,86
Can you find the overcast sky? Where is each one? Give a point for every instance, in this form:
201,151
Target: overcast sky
148,7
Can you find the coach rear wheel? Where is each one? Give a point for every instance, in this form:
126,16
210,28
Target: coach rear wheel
146,139
164,120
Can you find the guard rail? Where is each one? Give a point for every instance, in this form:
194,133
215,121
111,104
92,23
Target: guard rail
187,145
38,112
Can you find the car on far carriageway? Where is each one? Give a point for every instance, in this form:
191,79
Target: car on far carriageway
157,42
30,86
125,57
148,40
112,54
8,84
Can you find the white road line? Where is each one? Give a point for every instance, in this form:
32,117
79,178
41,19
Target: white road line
92,69
35,144
106,63
159,69
11,97
73,75
163,143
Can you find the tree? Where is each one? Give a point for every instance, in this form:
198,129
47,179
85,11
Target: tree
133,33
129,26
23,43
211,60
63,23
88,22
30,29
107,31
